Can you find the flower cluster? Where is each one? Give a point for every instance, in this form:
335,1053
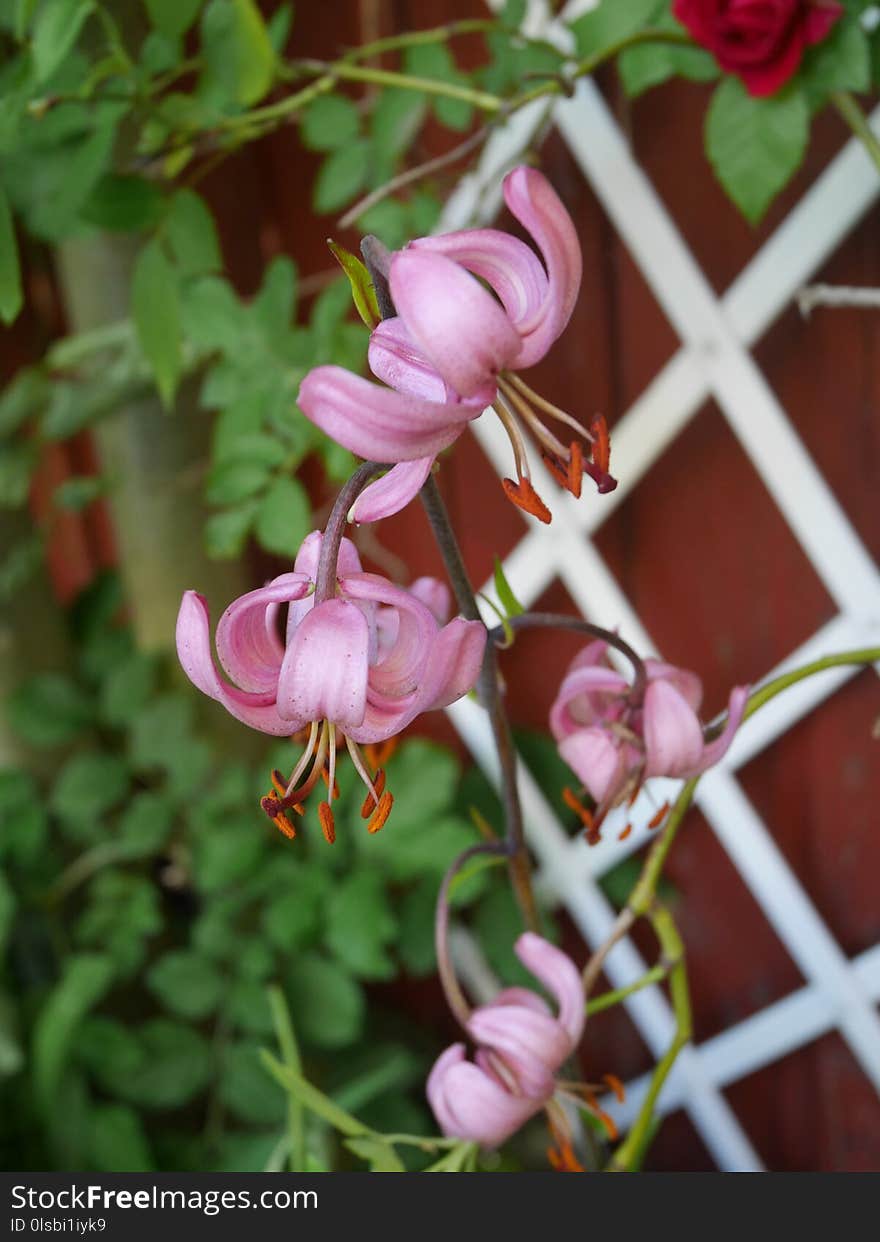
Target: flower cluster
451,351
361,665
520,1047
614,739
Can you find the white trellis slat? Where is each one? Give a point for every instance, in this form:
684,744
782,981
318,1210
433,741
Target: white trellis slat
713,361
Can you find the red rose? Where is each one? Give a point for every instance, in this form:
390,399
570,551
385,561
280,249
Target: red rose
761,41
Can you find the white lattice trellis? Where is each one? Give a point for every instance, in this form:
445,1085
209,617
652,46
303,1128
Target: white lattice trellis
714,360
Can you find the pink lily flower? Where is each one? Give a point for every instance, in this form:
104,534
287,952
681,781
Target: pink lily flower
520,1047
614,744
448,355
361,665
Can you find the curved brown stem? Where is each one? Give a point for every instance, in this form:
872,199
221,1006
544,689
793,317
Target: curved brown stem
325,578
455,998
559,621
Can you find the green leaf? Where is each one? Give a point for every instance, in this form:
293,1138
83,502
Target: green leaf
360,924
415,942
226,532
85,980
609,22
10,273
511,605
127,688
22,397
123,204
841,62
146,823
228,854
18,458
326,1004
397,118
22,816
291,920
233,481
342,175
381,1156
7,909
649,64
275,305
212,314
156,312
48,710
56,30
237,49
21,563
187,984
176,1066
123,912
279,27
87,787
362,291
246,1087
119,1141
755,145
78,493
192,235
284,517
329,122
172,17
435,62
247,1008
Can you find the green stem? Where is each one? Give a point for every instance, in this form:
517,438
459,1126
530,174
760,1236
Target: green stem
418,38
608,999
757,699
284,1033
628,1155
849,109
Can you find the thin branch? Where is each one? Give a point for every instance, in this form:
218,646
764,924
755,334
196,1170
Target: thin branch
427,169
325,577
559,621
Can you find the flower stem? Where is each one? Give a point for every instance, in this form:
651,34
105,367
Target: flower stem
290,1056
490,697
559,621
325,578
849,109
628,1155
455,998
608,999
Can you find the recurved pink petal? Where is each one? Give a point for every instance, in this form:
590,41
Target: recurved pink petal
507,264
398,362
435,596
454,322
348,561
471,1105
587,696
249,650
324,674
393,491
378,423
537,206
194,651
523,997
686,683
596,759
672,733
713,751
453,663
562,980
400,671
532,1044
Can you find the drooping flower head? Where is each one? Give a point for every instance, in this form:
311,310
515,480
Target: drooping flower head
520,1047
614,740
471,306
761,41
361,665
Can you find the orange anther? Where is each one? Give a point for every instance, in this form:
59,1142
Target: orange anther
328,827
524,496
370,803
624,832
381,813
574,803
656,820
283,824
568,474
597,1111
601,453
378,753
279,784
616,1086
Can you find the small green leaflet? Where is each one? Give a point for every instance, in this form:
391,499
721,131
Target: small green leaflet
512,606
10,273
362,290
156,313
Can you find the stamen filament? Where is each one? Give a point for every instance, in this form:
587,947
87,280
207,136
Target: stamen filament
548,407
540,432
360,767
508,422
303,760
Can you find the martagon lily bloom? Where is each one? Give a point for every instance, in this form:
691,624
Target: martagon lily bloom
614,743
520,1048
362,665
450,352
